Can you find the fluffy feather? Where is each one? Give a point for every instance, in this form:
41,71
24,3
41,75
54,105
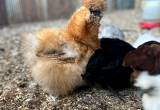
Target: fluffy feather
150,87
105,65
58,57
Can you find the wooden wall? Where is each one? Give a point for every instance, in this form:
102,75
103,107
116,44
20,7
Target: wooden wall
57,8
17,11
3,13
138,4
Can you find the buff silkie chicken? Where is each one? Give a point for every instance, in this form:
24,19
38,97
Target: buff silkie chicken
58,57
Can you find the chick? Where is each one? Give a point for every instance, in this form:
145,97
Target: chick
58,57
150,88
105,66
145,58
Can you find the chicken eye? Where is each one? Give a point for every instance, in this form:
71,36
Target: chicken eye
95,12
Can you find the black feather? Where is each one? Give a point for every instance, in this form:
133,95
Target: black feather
105,65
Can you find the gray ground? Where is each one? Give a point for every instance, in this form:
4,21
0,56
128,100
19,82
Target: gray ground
18,90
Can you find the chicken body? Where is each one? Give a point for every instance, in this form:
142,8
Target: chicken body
105,66
146,58
58,57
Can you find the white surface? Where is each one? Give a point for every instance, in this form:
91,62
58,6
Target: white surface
148,36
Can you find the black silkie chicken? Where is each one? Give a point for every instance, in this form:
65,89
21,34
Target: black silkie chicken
105,65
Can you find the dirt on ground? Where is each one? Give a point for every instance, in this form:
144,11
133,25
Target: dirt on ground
18,91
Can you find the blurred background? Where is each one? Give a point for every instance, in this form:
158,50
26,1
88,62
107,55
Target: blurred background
20,11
